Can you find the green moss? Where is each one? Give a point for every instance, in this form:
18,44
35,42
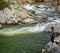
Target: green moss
4,4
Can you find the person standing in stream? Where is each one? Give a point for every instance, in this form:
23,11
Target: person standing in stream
52,36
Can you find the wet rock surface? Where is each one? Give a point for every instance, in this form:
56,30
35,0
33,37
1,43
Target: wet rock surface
52,47
40,12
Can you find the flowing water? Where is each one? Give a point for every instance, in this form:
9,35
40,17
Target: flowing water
23,38
27,38
22,43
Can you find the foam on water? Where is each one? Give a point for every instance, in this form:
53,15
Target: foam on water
38,28
29,7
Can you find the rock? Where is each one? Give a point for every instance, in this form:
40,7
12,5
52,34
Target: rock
56,50
30,21
3,17
18,13
19,20
43,18
58,8
43,50
53,47
0,26
11,16
23,1
48,0
7,16
56,40
49,47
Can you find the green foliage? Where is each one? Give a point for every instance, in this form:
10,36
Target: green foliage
4,4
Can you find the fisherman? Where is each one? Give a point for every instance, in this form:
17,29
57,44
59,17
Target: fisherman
52,34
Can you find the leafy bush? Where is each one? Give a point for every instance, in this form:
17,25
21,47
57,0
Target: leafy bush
4,3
